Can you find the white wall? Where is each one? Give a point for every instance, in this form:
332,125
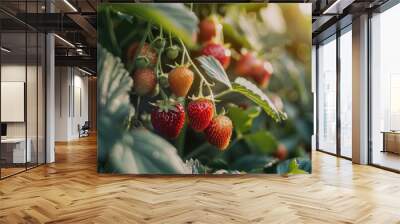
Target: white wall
71,102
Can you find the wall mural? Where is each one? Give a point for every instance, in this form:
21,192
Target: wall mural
204,88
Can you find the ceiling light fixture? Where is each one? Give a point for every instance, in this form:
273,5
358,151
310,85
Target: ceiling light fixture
70,5
333,6
5,50
84,71
65,41
337,7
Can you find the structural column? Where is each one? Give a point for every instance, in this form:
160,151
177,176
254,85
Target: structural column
50,92
360,90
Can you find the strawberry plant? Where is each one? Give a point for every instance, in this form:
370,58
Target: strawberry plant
186,92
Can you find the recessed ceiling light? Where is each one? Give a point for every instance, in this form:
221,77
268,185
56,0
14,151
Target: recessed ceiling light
70,5
84,71
65,41
5,50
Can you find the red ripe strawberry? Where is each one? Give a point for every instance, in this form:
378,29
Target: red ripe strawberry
144,81
219,131
200,113
261,73
168,120
180,80
281,153
146,52
245,64
209,28
219,52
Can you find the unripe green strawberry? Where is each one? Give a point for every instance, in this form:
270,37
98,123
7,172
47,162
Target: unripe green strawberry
219,131
173,52
180,80
168,120
142,62
159,43
200,113
144,81
164,80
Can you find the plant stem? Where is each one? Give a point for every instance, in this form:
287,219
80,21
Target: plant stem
197,150
223,93
137,108
170,39
185,51
113,38
163,95
148,29
181,141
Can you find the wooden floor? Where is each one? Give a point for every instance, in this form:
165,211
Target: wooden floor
70,191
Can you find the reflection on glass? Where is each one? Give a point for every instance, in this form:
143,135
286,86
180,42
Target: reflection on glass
327,96
31,100
385,85
346,94
14,153
41,98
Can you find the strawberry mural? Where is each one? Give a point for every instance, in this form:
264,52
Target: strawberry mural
193,89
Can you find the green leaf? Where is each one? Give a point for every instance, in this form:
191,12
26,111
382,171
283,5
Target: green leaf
214,69
230,33
261,142
142,152
294,168
251,163
173,17
120,151
114,84
290,167
251,91
243,119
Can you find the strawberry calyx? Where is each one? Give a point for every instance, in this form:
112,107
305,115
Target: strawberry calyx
166,105
200,96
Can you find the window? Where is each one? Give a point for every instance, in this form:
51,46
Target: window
327,96
346,93
385,89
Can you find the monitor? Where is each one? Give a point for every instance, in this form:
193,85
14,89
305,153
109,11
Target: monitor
3,129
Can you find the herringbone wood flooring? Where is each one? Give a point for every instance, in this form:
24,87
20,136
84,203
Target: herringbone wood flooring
70,191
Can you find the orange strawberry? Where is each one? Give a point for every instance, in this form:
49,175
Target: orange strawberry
144,81
180,80
200,113
219,131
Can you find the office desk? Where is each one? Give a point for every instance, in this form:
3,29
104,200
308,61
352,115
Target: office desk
13,150
391,141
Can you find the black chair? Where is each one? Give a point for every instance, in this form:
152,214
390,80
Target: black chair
84,130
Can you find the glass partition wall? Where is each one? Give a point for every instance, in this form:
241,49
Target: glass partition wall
334,94
22,95
385,89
